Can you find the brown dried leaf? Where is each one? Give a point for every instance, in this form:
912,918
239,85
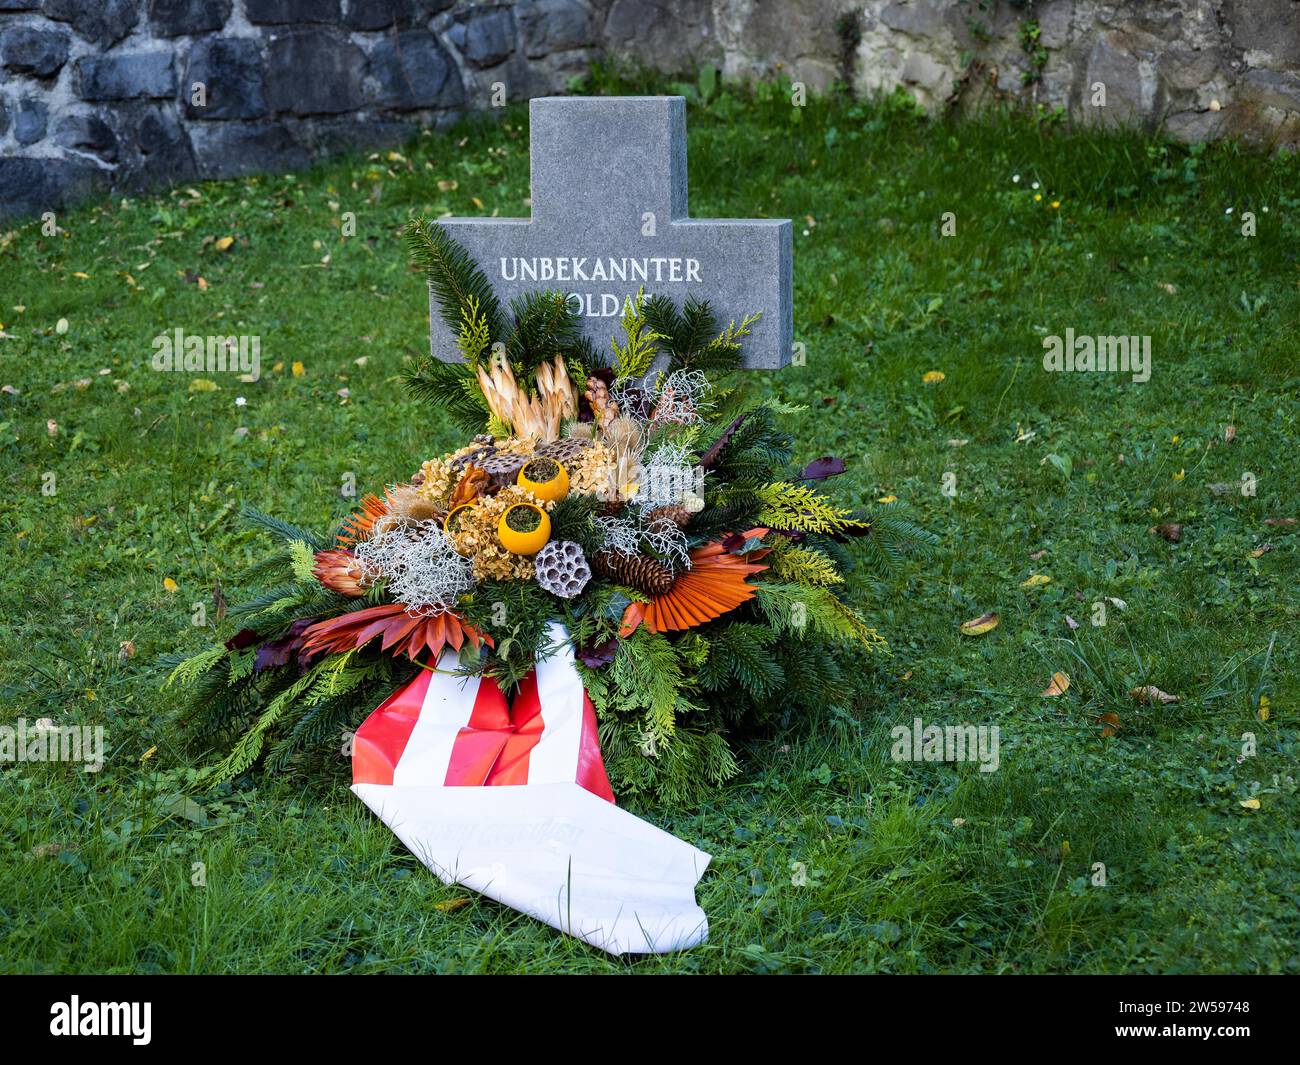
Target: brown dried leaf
472,484
1059,686
1110,721
1170,530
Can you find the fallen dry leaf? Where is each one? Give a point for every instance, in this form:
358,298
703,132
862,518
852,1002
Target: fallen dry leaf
933,377
980,625
1036,555
1059,686
1229,433
1071,622
224,243
126,649
452,904
1282,523
1110,723
1036,581
1150,694
1170,530
1249,804
1260,551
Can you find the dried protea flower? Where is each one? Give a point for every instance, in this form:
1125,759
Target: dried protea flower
339,571
413,505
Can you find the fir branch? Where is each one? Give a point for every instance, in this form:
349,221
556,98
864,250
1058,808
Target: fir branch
571,520
190,669
281,530
454,278
545,323
741,651
245,752
451,386
891,541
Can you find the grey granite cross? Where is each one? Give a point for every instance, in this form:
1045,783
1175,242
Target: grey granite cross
610,216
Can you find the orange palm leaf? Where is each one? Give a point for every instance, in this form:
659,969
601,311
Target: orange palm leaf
714,585
359,524
402,633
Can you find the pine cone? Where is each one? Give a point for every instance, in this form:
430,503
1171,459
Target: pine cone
641,572
678,515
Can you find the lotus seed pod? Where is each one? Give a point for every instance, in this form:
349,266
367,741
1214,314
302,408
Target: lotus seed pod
562,568
565,450
503,467
476,456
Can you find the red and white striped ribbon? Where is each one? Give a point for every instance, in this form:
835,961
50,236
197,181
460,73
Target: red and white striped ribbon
439,729
512,799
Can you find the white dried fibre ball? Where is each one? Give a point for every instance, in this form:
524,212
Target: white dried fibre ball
423,570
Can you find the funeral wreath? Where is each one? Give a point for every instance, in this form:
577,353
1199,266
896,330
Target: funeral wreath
636,496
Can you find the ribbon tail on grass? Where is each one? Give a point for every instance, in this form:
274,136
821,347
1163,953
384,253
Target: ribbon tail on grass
513,802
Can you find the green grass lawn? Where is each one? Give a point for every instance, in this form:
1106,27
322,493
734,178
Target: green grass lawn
906,867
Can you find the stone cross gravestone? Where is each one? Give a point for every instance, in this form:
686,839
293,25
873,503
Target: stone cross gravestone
610,216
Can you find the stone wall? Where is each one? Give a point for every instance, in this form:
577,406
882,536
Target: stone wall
1198,69
99,95
124,94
